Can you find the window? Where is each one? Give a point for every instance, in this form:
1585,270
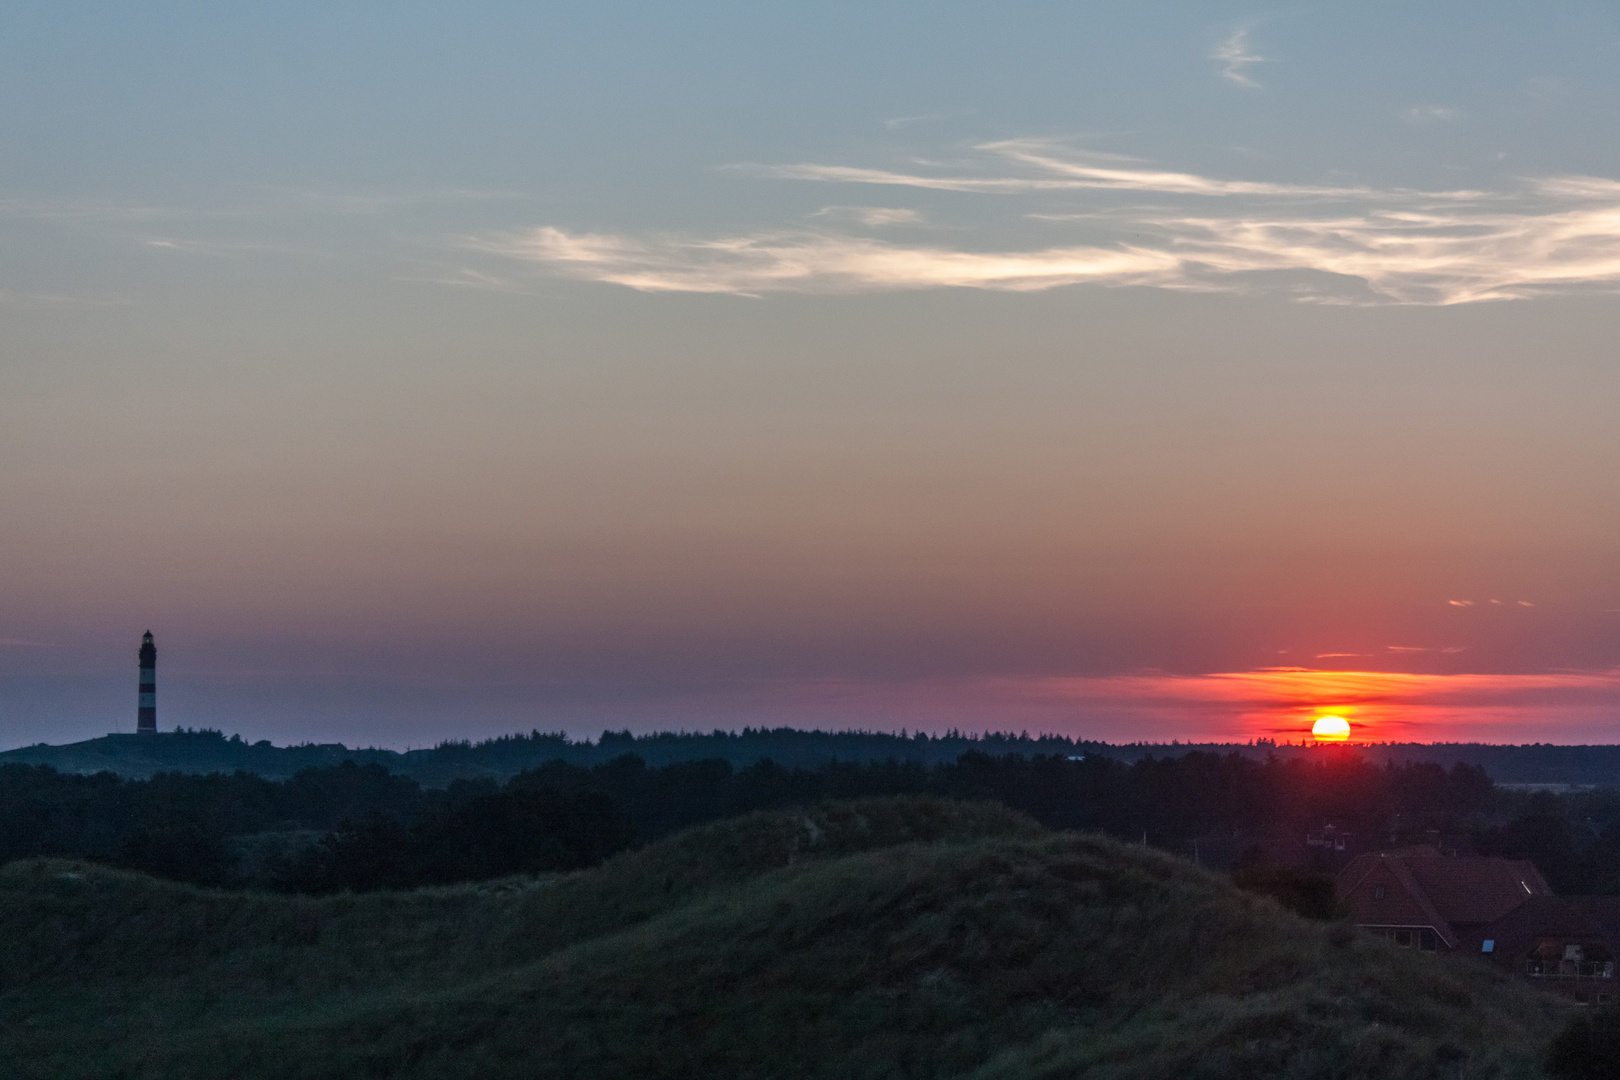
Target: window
1488,945
1378,892
1403,939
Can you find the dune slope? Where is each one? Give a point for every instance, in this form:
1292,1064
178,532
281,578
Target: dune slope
882,938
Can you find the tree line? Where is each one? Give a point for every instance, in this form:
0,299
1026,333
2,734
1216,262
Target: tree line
361,827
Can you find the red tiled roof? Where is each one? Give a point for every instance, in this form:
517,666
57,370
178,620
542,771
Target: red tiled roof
1475,890
1540,916
1380,892
1445,892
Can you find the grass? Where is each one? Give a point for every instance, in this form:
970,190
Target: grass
880,938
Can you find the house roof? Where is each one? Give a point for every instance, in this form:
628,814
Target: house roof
1537,917
1382,892
1450,892
1604,911
1477,890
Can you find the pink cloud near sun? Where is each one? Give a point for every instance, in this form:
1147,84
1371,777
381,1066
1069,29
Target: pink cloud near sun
1381,706
1571,707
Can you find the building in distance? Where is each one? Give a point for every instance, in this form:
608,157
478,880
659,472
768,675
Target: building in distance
146,700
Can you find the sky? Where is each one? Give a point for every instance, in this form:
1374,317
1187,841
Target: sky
1153,371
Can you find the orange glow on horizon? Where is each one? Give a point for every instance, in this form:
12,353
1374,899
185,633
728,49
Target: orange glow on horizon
1283,703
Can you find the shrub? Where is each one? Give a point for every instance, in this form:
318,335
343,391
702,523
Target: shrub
1304,892
1588,1048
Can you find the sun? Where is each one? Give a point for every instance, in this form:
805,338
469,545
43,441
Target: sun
1331,729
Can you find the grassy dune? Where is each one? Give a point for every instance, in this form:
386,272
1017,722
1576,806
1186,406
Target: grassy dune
883,938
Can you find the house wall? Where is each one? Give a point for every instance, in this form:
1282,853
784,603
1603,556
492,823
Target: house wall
1381,902
1382,899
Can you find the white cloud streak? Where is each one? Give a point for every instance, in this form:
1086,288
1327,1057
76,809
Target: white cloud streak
813,262
875,217
1051,167
1056,171
1444,256
188,246
901,121
1234,54
1314,243
1429,114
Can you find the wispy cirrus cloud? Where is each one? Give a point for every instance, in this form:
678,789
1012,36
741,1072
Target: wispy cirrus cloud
1235,54
923,118
1340,244
1052,168
1117,172
189,246
872,216
1429,114
1419,256
458,276
752,265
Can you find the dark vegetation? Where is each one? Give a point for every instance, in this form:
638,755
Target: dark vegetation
1573,838
898,938
1301,890
1588,1048
343,827
360,827
208,750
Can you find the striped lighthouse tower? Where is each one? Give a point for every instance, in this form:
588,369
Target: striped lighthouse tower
146,714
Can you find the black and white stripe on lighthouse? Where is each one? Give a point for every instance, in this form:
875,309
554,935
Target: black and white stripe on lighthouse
146,713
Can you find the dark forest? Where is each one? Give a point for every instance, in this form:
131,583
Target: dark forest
359,827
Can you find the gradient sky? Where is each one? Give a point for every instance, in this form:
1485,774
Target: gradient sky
1150,370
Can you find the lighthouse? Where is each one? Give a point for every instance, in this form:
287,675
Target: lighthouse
146,712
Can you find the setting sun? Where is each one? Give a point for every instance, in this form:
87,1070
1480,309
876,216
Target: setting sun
1331,728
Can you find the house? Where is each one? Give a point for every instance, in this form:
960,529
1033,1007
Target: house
1330,848
1329,838
1564,944
1500,910
1419,898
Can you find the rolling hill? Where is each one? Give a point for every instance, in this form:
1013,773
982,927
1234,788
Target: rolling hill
877,938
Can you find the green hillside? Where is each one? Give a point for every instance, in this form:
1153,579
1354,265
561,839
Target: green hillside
881,938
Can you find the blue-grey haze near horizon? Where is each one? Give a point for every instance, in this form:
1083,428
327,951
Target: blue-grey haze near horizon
424,370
